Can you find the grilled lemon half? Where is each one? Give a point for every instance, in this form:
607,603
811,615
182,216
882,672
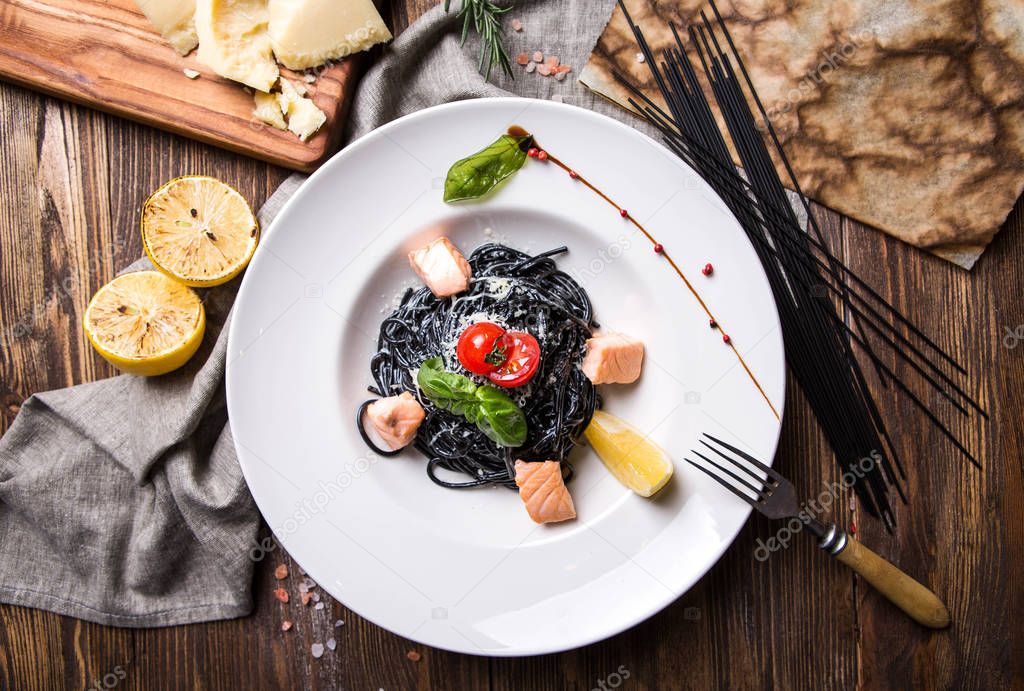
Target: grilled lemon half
199,230
145,323
639,464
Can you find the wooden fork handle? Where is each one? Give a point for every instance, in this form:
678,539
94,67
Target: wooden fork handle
902,590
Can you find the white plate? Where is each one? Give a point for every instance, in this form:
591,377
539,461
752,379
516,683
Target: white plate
467,570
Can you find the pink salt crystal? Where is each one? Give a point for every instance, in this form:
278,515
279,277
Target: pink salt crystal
552,61
317,649
538,56
531,67
543,70
517,25
560,76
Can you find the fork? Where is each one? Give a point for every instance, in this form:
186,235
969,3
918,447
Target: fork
775,497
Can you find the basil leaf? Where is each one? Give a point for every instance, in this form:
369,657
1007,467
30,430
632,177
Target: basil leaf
441,387
493,412
502,420
476,175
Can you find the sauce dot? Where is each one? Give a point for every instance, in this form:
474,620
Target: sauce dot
623,213
532,152
573,174
542,155
708,269
659,248
726,339
713,324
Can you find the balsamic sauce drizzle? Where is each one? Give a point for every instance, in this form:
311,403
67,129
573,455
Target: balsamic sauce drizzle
530,144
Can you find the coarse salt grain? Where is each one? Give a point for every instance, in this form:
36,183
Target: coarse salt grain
281,572
317,649
316,597
414,656
309,78
531,67
640,57
538,56
517,25
338,624
552,61
543,70
319,605
281,594
564,68
286,625
191,73
331,644
560,76
306,597
303,588
523,59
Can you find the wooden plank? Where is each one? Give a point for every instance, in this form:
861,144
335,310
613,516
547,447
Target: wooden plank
104,54
962,530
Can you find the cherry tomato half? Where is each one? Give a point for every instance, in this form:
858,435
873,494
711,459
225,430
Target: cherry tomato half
522,360
480,348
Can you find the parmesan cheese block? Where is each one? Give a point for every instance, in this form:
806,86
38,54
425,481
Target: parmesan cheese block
268,110
304,118
233,41
173,19
307,33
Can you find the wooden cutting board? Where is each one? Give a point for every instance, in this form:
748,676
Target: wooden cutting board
105,54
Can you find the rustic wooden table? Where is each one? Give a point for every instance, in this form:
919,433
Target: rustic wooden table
71,183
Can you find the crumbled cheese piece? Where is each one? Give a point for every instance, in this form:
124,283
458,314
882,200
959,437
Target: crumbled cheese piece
304,118
174,20
307,33
234,42
268,110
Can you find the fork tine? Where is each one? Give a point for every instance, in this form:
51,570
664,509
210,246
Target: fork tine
735,463
758,492
722,482
756,463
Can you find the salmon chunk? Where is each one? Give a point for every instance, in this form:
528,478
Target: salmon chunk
442,267
613,359
542,490
396,419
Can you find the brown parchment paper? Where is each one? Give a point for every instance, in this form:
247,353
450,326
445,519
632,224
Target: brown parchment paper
907,115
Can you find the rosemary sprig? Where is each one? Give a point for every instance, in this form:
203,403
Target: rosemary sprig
485,18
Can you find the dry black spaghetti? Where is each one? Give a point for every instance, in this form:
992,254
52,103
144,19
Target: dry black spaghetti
519,292
823,305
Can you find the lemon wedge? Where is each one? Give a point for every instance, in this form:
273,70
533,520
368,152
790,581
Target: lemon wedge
199,230
636,462
145,323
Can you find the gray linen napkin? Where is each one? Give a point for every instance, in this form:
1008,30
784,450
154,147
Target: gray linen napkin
121,501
